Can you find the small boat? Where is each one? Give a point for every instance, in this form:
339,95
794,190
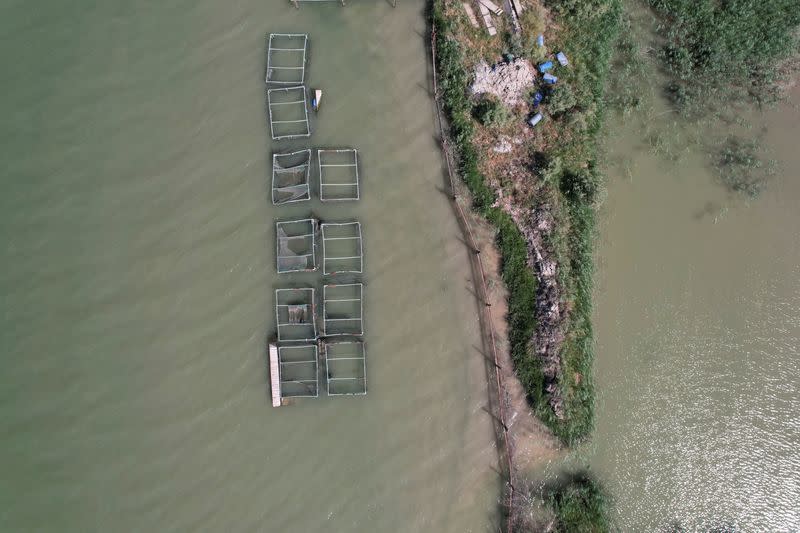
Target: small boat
316,99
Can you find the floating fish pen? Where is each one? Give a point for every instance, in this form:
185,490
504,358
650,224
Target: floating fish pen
338,174
342,249
290,177
342,310
345,368
298,371
295,314
288,113
286,58
296,245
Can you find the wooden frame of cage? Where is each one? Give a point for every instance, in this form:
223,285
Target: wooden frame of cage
332,377
271,67
336,322
307,232
341,232
279,169
330,189
273,105
289,302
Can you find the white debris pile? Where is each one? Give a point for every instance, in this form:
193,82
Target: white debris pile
508,81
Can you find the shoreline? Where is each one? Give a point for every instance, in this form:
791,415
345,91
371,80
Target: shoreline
536,207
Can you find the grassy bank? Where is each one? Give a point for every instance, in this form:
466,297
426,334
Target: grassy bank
564,170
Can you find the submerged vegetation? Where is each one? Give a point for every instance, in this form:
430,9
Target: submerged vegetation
740,167
717,51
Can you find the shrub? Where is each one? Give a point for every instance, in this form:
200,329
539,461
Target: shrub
490,111
562,98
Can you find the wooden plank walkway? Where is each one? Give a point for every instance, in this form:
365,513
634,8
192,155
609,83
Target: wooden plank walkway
275,375
487,19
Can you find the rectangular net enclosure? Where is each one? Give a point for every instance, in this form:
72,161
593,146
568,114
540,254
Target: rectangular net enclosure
296,245
290,177
342,247
299,371
342,310
286,58
294,314
346,368
288,113
338,174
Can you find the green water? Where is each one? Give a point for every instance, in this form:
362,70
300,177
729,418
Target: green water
139,268
698,329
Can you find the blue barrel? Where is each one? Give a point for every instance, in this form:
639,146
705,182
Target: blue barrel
549,78
535,119
537,98
544,67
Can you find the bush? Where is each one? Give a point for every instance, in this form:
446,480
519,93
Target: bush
490,111
580,186
580,505
561,99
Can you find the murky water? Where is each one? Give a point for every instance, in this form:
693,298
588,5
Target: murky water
139,267
698,330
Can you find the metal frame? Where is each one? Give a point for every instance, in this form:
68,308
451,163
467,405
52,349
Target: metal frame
327,322
302,101
322,185
281,227
285,364
332,227
278,169
328,367
271,67
309,301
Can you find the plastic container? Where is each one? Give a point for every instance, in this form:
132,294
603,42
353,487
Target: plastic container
535,119
549,78
562,59
537,98
540,41
544,67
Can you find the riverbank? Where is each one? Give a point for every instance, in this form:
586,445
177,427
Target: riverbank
538,190
540,194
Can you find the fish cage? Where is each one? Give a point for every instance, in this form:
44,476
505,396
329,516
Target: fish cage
288,113
286,58
345,368
295,311
299,371
338,174
342,310
290,177
296,245
342,248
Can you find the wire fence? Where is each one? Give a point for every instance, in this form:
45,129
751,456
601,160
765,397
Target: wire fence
481,291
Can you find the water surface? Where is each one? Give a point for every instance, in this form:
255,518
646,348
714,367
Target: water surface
139,267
